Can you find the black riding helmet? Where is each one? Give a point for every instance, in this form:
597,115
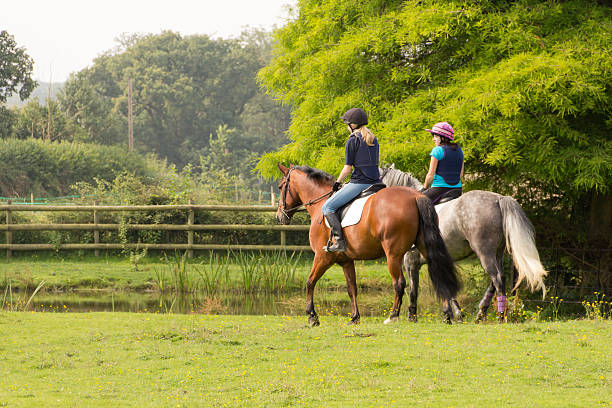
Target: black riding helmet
356,116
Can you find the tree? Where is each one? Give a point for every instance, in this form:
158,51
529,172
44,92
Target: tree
33,121
184,88
15,69
86,101
525,83
15,76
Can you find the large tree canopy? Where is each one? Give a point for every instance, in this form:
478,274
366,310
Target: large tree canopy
15,77
526,84
184,89
15,69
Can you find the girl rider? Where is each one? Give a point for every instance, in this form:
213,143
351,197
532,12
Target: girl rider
446,165
361,162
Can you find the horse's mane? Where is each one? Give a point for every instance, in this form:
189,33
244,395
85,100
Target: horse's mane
394,177
316,175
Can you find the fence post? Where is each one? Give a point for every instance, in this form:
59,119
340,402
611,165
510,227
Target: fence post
283,239
9,234
272,195
96,231
190,221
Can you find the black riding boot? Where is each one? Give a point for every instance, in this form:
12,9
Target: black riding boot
336,233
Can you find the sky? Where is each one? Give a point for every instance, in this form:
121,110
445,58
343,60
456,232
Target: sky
64,36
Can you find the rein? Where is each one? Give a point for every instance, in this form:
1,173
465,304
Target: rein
297,208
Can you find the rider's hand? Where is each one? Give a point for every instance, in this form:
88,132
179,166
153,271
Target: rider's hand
336,186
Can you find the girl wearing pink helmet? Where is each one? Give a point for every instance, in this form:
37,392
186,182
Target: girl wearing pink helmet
446,166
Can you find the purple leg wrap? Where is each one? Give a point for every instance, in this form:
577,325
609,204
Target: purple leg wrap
502,302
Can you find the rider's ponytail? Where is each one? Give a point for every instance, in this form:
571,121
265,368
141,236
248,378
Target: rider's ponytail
367,135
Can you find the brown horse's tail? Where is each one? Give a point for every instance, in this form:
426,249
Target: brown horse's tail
442,270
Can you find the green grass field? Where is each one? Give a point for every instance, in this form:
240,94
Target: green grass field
128,359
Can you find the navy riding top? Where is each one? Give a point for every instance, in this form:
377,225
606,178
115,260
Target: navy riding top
363,158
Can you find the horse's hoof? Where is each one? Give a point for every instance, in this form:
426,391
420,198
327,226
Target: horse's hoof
459,317
412,318
355,321
448,320
480,317
394,319
502,318
313,321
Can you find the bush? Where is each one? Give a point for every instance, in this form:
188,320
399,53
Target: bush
50,169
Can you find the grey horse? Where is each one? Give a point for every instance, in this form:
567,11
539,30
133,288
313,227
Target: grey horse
484,223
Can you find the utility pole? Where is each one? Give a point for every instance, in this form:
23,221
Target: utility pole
49,109
130,126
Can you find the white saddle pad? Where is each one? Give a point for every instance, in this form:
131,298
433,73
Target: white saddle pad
353,215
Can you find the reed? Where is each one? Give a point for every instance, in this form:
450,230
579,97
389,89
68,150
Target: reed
277,271
215,274
160,280
249,265
176,275
8,290
40,285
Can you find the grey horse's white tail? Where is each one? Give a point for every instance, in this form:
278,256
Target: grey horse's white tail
520,243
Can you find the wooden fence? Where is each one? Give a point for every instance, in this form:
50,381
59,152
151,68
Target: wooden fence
189,227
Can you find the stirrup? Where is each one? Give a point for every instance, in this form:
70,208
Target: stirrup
339,246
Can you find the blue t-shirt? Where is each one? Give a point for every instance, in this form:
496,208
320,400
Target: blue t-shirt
438,181
363,158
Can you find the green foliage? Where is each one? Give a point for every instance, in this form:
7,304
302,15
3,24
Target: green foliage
46,122
184,89
15,69
598,307
8,119
525,84
214,274
49,169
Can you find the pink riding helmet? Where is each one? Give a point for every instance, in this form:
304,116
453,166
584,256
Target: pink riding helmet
442,129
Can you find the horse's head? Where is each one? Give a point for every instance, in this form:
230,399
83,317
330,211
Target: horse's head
394,177
289,200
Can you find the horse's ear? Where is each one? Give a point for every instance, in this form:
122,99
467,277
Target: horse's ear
392,166
283,169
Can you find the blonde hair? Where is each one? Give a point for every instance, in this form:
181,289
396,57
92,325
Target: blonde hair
367,135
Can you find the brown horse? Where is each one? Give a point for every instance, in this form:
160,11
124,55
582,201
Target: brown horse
392,221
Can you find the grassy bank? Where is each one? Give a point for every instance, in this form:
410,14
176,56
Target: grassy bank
124,359
119,273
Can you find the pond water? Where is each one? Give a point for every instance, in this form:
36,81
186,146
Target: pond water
327,302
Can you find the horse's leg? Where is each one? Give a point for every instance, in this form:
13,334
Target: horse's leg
412,265
394,263
447,304
500,286
457,311
351,287
483,306
319,265
447,311
491,264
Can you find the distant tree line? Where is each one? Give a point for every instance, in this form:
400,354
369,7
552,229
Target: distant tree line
196,102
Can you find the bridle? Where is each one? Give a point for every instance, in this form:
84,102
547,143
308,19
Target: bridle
384,172
282,205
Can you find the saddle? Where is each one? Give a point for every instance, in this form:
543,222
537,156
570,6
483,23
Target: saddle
448,196
350,213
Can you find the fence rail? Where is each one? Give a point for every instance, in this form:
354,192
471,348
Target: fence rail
189,227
